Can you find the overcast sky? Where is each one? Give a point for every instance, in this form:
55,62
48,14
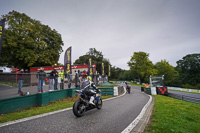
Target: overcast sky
166,29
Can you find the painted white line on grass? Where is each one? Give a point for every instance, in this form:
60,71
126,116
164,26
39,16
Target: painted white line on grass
46,114
137,119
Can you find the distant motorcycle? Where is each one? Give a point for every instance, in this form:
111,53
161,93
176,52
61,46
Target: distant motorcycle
82,105
128,88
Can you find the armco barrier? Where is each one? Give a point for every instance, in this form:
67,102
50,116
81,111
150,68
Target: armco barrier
107,91
148,91
18,103
41,99
14,104
185,98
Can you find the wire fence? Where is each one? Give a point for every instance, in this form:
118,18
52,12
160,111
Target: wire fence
31,79
185,98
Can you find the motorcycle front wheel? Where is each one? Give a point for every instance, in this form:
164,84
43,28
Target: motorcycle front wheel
78,108
99,104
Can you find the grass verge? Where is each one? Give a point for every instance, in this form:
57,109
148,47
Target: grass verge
9,83
133,84
61,104
174,116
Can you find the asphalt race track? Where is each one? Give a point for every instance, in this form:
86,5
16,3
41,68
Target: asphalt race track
114,117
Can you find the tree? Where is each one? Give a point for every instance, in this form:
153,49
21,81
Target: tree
170,74
115,73
189,69
125,75
28,43
97,58
141,67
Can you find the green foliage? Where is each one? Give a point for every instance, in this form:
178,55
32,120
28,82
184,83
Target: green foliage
125,75
141,67
189,69
134,84
97,58
115,73
191,86
28,43
169,72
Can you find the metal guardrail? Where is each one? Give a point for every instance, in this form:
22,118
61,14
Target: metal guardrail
185,98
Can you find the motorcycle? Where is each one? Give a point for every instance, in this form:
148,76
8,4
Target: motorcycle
128,88
82,105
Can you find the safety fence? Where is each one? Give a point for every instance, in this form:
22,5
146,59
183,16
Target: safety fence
185,98
31,79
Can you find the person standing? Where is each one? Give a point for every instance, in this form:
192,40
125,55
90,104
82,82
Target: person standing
20,80
51,81
41,75
79,77
55,76
61,75
97,79
76,78
84,75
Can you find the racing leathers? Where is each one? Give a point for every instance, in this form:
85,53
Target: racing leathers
86,89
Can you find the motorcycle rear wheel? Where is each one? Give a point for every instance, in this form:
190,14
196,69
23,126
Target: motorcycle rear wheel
78,108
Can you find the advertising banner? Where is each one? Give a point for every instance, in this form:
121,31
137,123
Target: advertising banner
2,24
67,61
90,66
102,68
109,70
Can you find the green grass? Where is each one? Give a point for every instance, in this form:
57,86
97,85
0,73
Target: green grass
184,91
14,84
61,104
133,84
174,116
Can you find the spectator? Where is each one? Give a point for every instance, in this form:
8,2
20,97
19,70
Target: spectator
51,81
79,75
41,75
61,75
84,75
69,77
76,78
55,76
97,79
20,80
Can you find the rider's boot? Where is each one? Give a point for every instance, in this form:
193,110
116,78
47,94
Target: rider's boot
91,100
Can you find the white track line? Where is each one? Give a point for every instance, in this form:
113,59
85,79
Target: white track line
138,118
46,114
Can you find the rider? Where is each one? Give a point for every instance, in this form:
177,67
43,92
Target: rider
86,86
127,85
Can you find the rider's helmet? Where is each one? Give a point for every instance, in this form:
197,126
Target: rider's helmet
89,78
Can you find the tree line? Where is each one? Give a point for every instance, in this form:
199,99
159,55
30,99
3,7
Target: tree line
28,43
186,74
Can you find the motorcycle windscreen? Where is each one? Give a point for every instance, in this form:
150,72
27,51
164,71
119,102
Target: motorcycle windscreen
84,84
